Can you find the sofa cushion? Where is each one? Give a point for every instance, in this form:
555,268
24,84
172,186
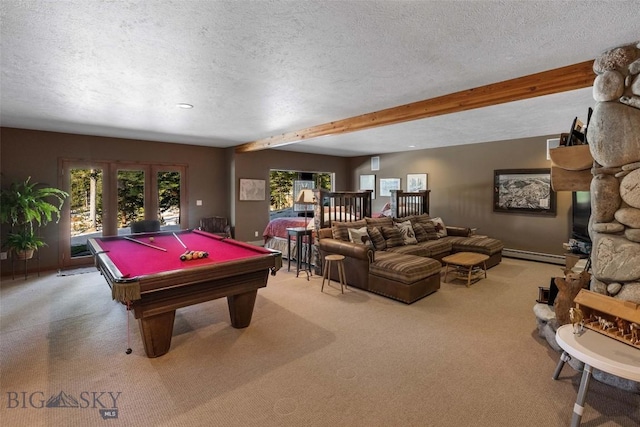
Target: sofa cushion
340,230
420,232
392,236
359,236
379,244
408,235
414,249
427,223
406,269
379,222
441,229
436,248
419,219
481,245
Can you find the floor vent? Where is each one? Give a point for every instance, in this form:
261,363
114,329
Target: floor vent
534,256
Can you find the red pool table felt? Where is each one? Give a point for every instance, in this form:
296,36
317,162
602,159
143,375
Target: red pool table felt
134,260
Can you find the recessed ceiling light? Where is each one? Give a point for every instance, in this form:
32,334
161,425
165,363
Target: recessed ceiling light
412,146
184,106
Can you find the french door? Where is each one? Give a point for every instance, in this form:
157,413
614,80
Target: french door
105,197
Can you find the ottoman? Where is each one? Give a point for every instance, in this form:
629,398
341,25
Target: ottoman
405,278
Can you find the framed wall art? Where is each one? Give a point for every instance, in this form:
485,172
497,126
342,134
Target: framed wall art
388,184
416,182
252,189
524,191
368,182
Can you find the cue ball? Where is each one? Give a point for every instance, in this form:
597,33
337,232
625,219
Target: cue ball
151,239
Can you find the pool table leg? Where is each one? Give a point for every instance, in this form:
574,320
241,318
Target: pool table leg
156,333
241,308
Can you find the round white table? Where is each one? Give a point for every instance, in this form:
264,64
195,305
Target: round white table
597,351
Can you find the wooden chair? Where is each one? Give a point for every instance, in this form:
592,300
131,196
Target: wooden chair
216,225
145,226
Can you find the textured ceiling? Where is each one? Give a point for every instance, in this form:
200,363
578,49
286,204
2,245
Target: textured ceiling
257,69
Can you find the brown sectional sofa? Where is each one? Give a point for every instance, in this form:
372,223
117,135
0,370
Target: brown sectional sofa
405,272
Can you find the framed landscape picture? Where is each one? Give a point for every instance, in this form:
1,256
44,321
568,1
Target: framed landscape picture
416,182
252,189
368,182
524,191
388,184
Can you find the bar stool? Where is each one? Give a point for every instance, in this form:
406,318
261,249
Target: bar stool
326,275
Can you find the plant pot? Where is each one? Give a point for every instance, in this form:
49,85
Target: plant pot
25,254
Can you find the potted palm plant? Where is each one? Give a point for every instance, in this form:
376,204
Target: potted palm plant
26,206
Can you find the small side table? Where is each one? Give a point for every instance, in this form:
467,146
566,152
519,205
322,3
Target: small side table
302,256
595,351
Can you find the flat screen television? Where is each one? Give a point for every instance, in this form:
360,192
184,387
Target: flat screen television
581,212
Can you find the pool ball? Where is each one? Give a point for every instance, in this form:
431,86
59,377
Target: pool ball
151,239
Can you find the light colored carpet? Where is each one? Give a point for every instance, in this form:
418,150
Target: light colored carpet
460,357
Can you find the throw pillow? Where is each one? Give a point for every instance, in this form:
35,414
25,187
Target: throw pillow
430,228
422,219
340,230
359,236
392,236
379,222
421,233
408,235
440,227
379,244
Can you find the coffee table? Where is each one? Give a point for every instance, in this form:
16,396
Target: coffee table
465,260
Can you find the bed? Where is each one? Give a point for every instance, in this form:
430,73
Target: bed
331,206
404,203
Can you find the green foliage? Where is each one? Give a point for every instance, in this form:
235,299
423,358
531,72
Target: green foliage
168,190
130,196
24,204
281,186
81,189
23,240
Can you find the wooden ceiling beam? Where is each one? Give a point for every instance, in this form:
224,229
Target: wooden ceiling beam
572,77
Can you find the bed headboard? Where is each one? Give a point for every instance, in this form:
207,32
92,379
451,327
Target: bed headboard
342,206
404,203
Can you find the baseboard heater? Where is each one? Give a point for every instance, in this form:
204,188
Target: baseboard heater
533,256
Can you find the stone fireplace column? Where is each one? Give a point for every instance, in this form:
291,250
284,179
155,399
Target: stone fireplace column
614,140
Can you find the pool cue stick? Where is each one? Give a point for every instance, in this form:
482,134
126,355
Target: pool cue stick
144,244
179,240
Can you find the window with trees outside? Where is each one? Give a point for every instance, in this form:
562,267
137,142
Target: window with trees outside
281,184
106,197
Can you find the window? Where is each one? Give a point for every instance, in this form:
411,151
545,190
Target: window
281,184
107,196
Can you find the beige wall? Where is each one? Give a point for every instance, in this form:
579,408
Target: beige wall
461,182
253,216
33,153
460,177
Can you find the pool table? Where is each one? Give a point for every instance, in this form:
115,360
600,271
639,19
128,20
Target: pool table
146,272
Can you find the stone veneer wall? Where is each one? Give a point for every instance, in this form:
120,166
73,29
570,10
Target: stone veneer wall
614,140
613,134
